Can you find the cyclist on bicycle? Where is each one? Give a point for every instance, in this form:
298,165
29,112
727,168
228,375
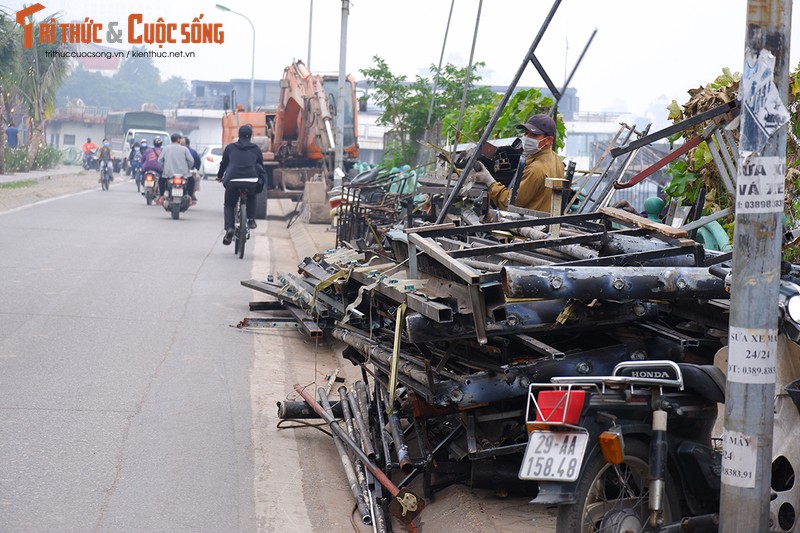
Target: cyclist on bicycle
241,169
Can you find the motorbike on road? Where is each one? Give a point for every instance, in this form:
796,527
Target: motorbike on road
90,161
150,186
176,199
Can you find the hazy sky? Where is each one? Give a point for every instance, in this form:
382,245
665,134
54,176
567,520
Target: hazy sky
643,49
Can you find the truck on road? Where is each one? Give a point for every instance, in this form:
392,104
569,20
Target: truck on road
123,128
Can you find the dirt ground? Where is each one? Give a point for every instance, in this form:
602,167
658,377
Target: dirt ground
299,483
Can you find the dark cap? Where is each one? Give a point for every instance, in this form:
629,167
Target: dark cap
539,125
245,132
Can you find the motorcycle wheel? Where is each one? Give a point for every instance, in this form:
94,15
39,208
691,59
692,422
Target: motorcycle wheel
148,198
176,210
610,497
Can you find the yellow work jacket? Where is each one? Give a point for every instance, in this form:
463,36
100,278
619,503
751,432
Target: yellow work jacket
531,193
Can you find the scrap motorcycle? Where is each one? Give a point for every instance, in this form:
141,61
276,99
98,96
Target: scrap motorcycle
637,450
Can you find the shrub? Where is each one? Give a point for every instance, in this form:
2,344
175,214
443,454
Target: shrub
47,157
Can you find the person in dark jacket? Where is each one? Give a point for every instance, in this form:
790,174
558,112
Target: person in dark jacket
241,168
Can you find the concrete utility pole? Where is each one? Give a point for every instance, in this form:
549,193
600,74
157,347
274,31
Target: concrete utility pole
339,158
753,325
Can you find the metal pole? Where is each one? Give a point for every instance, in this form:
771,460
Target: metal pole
310,19
339,157
347,463
253,54
497,112
252,67
753,326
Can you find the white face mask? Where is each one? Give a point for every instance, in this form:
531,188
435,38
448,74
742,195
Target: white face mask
529,146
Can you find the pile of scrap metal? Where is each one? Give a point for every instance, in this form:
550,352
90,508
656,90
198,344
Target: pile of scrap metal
451,322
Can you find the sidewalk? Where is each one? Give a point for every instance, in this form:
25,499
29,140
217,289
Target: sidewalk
62,170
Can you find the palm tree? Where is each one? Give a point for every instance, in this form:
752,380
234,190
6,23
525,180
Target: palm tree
9,35
42,72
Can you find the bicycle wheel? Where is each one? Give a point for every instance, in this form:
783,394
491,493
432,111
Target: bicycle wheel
104,181
236,230
242,236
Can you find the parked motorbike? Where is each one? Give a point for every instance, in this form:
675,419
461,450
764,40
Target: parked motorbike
177,200
150,185
636,450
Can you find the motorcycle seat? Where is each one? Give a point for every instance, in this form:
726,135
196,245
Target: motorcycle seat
708,381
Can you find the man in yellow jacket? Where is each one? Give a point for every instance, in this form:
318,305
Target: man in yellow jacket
541,162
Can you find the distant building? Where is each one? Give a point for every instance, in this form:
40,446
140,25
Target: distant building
104,60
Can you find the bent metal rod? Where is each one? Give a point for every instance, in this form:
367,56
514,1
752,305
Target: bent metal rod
411,505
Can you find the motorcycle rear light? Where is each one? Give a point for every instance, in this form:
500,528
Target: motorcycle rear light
149,177
558,407
612,446
209,159
177,181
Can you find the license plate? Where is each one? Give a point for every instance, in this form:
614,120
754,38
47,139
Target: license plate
554,455
177,192
148,184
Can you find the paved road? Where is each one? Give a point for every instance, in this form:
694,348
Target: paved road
124,401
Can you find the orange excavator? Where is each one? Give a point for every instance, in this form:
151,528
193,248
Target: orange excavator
297,137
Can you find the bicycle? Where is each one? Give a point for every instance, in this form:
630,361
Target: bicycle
105,175
241,233
138,176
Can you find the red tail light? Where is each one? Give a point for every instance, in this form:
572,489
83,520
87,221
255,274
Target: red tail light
149,177
177,180
209,159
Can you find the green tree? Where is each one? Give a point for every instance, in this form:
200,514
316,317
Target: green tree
9,65
137,82
41,74
406,104
522,104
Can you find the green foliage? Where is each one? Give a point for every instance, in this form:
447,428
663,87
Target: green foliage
406,105
46,157
684,182
137,82
518,109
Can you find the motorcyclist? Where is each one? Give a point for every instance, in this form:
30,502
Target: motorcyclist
88,149
195,166
105,157
175,159
242,167
150,163
135,158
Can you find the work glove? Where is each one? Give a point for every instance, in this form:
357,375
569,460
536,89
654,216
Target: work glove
481,175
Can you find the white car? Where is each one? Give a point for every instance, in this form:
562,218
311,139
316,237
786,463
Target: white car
209,161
